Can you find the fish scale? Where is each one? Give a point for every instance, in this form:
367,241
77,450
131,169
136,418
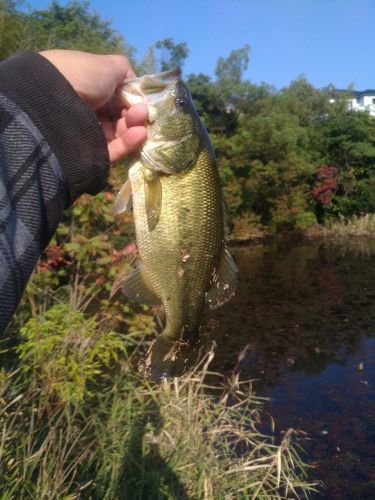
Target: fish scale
180,253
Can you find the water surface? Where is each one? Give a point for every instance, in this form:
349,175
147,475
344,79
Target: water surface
305,311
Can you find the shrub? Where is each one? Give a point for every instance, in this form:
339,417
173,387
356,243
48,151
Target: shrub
65,351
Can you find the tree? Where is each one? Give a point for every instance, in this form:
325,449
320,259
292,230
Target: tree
349,144
304,101
232,68
72,26
10,25
210,104
229,73
148,64
8,6
173,55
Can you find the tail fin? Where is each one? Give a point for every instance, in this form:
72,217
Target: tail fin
168,358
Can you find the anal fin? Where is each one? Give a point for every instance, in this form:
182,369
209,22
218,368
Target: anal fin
224,281
137,288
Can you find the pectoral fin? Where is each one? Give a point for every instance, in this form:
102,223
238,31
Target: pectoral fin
138,288
123,200
224,281
153,195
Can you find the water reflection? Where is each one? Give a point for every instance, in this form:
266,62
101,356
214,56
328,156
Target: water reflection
306,310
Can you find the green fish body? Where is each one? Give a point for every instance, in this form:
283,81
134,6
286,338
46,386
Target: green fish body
179,220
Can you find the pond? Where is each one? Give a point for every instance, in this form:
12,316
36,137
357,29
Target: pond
305,310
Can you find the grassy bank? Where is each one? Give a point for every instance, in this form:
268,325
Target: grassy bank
78,421
361,226
339,230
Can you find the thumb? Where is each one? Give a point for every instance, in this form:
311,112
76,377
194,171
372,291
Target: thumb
120,69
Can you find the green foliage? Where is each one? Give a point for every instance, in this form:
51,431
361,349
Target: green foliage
72,26
149,64
349,144
232,68
10,26
270,146
66,351
75,417
173,54
350,140
305,220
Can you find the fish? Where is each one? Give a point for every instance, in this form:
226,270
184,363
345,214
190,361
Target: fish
175,192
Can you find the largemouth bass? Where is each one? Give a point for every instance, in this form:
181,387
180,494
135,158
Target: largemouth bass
175,192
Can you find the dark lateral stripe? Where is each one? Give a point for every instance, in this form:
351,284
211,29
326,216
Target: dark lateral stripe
5,119
30,181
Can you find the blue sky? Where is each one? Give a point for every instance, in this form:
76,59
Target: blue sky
329,41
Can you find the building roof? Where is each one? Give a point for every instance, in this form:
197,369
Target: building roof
366,92
356,93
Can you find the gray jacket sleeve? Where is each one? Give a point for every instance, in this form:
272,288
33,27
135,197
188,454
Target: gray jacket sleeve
52,149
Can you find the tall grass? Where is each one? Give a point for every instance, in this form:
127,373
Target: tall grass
355,236
128,438
78,421
356,226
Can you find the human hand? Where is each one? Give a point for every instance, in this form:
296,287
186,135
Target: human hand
95,78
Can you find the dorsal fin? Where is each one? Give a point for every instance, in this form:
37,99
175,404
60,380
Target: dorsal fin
224,281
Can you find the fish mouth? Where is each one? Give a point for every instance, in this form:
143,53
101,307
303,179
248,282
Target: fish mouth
148,89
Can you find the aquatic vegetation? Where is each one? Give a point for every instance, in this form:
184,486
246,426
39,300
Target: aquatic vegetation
352,236
363,225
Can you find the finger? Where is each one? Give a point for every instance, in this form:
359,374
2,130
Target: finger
121,70
108,130
115,108
122,67
127,143
120,127
130,73
136,115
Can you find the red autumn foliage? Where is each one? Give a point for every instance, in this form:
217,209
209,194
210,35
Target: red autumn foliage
52,257
328,183
108,196
129,249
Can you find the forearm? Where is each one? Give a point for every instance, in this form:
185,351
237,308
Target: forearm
51,151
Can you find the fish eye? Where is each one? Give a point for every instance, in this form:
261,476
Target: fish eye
181,102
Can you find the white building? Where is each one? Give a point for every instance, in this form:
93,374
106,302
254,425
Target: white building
359,100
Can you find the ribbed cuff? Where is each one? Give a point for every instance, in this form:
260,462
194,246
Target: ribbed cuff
68,125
